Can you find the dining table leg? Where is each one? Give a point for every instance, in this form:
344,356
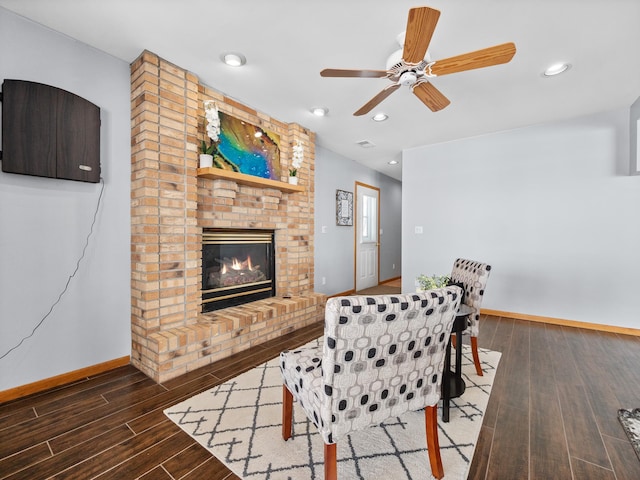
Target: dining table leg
459,354
446,383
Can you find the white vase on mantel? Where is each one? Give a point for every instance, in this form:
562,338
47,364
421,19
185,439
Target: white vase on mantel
206,160
293,180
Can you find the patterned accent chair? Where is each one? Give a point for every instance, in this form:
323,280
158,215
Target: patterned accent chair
474,276
382,356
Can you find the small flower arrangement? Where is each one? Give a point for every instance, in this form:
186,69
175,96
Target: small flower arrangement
213,120
213,128
298,157
425,282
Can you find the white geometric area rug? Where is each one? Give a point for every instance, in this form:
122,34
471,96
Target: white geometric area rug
240,423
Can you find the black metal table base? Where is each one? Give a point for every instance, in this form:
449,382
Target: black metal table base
453,385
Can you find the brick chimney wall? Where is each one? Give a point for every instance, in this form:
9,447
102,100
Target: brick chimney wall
170,206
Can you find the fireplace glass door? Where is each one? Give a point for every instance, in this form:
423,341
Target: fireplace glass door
238,266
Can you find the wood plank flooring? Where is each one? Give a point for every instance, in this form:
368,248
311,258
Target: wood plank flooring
552,413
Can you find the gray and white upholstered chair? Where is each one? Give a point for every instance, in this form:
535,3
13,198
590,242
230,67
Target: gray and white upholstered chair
473,275
382,356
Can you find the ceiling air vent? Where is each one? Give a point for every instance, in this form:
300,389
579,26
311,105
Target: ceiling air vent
366,144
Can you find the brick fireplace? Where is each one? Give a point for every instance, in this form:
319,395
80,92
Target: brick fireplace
171,205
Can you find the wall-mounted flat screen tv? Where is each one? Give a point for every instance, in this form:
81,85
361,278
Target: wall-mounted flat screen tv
49,132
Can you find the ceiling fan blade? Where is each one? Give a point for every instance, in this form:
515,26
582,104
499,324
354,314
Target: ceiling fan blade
430,96
336,72
367,107
420,27
486,57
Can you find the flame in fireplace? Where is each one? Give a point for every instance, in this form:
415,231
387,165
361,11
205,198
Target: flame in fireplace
237,265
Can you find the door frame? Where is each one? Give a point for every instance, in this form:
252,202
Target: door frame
356,219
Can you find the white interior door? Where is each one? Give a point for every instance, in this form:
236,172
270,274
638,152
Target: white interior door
367,236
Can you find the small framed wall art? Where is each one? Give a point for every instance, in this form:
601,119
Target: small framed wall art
344,208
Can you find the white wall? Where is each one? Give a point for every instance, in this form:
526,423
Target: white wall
551,207
334,256
44,222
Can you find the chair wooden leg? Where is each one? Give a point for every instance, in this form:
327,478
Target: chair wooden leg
287,412
433,444
330,462
476,358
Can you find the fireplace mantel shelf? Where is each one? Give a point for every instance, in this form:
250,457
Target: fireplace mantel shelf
217,173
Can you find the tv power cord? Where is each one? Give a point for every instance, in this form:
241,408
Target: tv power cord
64,290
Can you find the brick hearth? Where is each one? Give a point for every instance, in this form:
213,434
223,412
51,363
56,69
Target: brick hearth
170,206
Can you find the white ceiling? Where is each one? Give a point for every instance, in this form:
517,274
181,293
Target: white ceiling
288,42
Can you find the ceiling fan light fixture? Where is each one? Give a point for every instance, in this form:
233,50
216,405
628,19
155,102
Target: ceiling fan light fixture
380,117
320,111
408,78
233,59
556,69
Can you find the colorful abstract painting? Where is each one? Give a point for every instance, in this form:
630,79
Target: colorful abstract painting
247,148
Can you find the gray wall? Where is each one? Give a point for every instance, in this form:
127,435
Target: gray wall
334,255
44,222
551,207
634,132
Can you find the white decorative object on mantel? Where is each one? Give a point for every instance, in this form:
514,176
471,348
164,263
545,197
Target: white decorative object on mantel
206,160
213,131
293,180
213,119
298,158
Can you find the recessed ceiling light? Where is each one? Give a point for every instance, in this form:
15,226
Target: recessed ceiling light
379,117
393,162
556,69
319,111
233,59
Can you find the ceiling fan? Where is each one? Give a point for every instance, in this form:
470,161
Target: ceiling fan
414,71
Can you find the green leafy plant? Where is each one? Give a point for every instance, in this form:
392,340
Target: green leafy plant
426,282
207,149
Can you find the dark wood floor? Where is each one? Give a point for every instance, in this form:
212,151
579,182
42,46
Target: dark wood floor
552,414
